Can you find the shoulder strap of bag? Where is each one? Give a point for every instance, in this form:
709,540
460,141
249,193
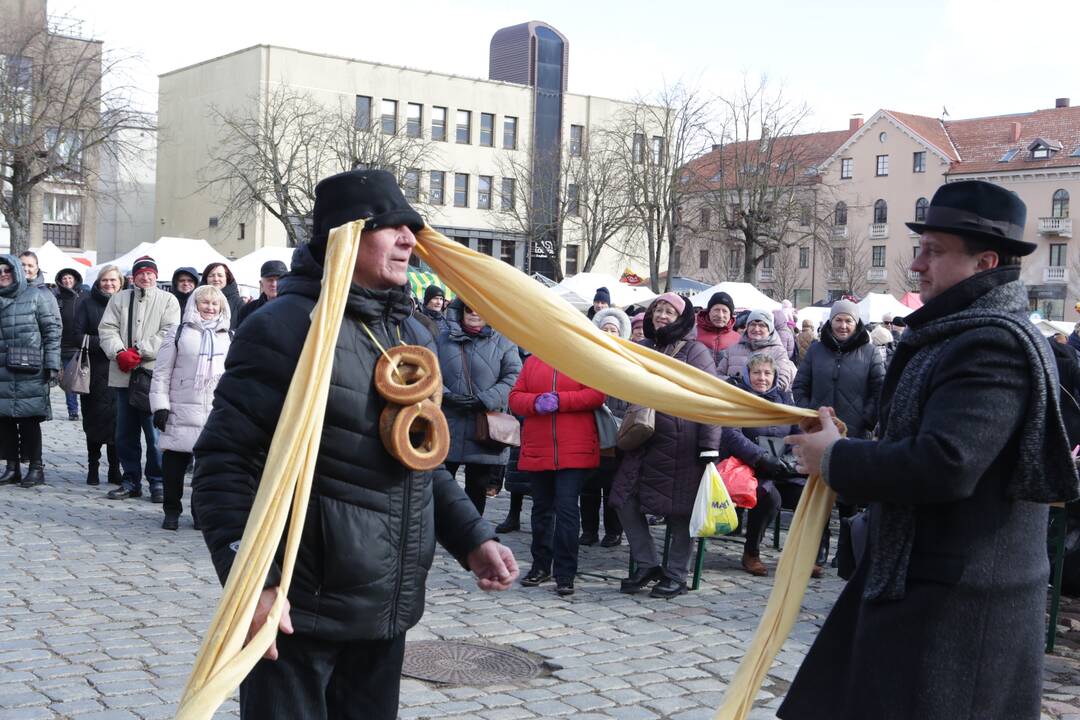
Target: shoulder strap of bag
678,346
131,313
176,338
465,368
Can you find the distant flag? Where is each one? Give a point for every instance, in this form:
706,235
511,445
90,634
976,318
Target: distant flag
630,277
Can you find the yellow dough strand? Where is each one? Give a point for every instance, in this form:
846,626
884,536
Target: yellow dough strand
544,324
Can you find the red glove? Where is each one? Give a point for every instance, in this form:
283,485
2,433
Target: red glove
128,360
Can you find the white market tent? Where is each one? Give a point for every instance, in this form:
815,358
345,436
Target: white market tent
52,259
246,269
579,289
875,305
169,253
744,295
124,262
814,314
1051,327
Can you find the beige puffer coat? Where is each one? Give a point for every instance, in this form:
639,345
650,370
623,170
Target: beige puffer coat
177,388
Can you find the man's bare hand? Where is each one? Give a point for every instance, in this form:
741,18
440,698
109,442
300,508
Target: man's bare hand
494,566
262,609
810,447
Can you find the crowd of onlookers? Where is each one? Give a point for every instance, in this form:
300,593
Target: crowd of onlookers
155,356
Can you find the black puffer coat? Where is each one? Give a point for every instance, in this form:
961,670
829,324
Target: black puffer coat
99,406
28,319
68,299
247,310
371,526
494,366
844,376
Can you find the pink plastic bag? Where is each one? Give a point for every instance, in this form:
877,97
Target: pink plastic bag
740,482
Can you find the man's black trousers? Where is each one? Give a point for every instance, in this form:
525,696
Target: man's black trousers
316,679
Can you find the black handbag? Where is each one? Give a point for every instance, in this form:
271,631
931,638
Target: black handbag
140,378
23,359
851,544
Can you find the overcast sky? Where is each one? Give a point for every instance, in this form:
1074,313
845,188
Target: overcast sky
974,57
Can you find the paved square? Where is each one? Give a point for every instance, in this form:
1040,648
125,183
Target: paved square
101,613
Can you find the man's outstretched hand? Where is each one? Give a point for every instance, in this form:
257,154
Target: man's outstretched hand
494,566
262,609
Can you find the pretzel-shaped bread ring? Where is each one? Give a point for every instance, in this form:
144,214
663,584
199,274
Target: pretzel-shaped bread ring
407,374
397,422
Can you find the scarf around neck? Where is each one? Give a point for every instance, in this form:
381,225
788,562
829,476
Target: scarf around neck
1044,471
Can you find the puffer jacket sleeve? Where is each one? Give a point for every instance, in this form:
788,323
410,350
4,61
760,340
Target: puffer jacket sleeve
734,443
163,370
874,380
109,333
48,319
231,451
701,357
802,388
169,318
497,396
522,400
582,400
785,371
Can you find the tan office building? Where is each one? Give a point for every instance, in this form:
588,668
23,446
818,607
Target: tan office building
469,133
882,173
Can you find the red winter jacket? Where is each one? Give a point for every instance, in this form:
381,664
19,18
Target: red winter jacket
564,439
715,338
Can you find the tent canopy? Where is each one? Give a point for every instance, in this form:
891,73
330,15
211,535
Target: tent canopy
419,281
875,305
816,315
745,296
246,269
912,300
169,253
579,290
1051,327
52,259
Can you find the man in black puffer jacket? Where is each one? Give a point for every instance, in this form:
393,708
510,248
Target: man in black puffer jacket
371,526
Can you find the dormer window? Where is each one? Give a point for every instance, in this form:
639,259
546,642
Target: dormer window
1042,149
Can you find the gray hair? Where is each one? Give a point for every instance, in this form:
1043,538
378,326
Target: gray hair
106,269
760,359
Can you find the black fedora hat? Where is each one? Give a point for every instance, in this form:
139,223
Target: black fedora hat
369,195
979,209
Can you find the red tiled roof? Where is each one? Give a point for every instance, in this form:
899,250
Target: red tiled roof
929,129
805,151
982,142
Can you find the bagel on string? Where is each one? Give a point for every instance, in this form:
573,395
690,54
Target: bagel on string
397,423
407,374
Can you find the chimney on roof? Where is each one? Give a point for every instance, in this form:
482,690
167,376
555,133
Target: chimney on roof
715,147
855,122
1061,103
1014,131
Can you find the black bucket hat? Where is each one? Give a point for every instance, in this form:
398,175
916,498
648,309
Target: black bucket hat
979,209
370,195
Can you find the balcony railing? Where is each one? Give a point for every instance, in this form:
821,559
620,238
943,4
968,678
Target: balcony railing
1056,226
839,231
766,274
879,231
1055,274
913,277
876,274
62,235
834,276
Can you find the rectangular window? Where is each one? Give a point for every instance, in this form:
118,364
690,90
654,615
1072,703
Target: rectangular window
65,153
804,215
62,209
846,166
461,190
18,72
914,252
509,133
802,298
769,261
877,256
573,200
639,148
483,192
706,218
483,246
411,184
1057,255
577,133
507,197
363,113
703,259
414,119
839,257
571,259
435,190
389,117
438,123
464,127
242,229
918,162
657,150
734,259
507,252
882,167
804,258
487,130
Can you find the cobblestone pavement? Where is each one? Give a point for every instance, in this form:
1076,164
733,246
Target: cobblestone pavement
101,613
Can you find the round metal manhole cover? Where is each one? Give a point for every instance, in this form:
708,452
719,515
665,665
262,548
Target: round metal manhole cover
467,663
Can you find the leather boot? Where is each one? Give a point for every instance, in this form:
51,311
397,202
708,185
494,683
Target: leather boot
512,523
752,564
34,476
93,464
116,475
12,474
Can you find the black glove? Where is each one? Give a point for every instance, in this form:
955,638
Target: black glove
475,403
53,377
160,418
769,467
458,402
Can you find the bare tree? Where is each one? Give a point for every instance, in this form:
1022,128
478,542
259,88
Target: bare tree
539,206
760,179
847,264
272,152
596,179
658,137
905,279
786,275
63,104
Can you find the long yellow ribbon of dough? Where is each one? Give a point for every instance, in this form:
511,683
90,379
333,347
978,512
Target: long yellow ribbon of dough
547,326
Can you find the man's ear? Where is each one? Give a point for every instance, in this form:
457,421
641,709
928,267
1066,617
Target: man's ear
988,260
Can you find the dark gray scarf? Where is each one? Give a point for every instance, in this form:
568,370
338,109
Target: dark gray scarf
1044,471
